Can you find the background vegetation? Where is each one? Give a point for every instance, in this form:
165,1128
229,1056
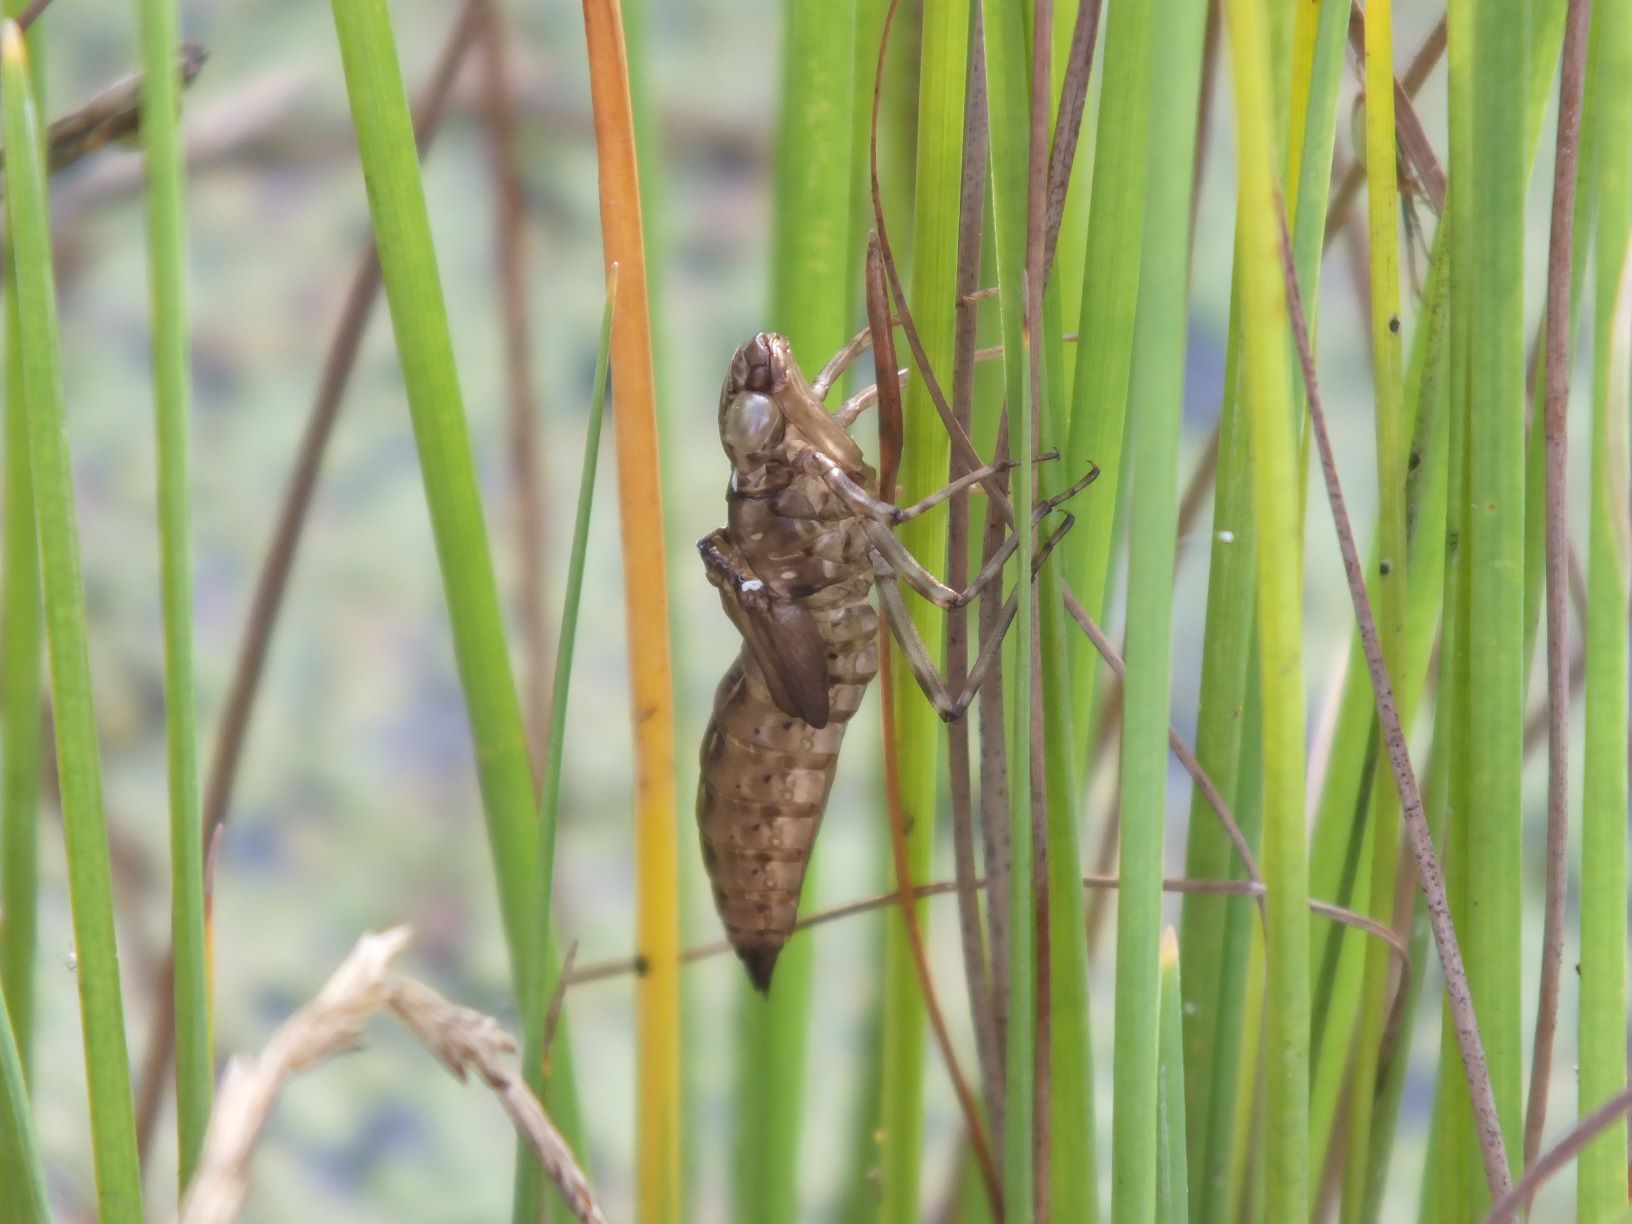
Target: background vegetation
1418,721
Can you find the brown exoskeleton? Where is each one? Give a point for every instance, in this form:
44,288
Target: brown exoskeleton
805,541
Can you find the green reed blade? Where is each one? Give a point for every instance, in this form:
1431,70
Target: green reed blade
1157,396
20,682
1601,1168
167,273
543,973
107,1061
1268,382
1172,1185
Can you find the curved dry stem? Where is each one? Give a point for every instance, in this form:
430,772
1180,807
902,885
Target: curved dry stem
1079,62
1560,1154
1416,73
332,1023
978,976
961,445
1555,423
1470,1045
1416,154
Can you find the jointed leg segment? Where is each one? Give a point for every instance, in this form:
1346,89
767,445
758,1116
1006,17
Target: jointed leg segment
877,517
916,651
894,564
865,505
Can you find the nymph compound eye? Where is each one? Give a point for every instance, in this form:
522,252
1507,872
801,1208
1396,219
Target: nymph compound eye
751,427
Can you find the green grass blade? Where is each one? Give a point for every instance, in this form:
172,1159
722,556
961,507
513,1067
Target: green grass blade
1450,717
1158,396
419,319
1172,1184
1601,1171
167,264
1007,77
1448,1200
107,1062
1071,251
1071,1165
1318,39
932,292
1111,279
1428,598
1459,1193
20,1171
1268,385
1392,1090
20,689
20,685
1392,434
1340,849
1495,542
543,976
1215,965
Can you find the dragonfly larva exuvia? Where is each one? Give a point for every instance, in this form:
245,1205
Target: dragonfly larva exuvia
805,542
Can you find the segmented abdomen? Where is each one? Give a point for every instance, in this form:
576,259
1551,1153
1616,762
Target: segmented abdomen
765,780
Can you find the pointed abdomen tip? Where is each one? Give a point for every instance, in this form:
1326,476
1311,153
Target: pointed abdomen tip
759,962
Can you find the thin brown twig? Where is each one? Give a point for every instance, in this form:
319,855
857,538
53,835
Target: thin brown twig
1348,189
971,202
1408,130
1107,771
1423,62
603,971
1429,875
994,776
891,413
1507,1206
1555,423
1204,117
462,1040
558,998
112,115
510,259
272,581
961,444
1079,63
1536,728
1187,758
30,14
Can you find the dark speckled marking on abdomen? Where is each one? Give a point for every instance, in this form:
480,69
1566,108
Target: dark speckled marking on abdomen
765,781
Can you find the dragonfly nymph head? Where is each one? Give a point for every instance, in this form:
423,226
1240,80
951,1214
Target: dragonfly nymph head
766,394
753,427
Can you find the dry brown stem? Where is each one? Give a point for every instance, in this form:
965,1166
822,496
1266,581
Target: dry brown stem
332,1023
